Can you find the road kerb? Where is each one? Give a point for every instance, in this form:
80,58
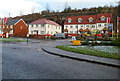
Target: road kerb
80,59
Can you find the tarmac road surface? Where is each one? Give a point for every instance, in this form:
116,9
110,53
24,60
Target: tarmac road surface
20,61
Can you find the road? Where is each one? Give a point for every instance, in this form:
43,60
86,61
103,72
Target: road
22,61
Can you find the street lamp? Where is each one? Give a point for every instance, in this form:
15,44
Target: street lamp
77,29
27,38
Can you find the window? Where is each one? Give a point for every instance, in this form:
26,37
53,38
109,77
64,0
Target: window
93,26
42,32
35,31
69,20
81,25
31,32
42,25
90,19
87,25
71,31
102,18
31,25
76,26
105,24
99,25
36,25
79,20
76,32
71,26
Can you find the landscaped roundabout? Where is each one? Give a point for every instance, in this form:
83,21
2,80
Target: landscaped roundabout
104,49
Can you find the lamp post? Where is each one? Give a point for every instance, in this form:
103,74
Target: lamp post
27,38
102,35
77,29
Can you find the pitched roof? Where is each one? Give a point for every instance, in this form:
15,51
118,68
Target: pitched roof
100,15
85,19
44,21
12,21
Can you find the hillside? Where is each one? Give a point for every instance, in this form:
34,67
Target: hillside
59,17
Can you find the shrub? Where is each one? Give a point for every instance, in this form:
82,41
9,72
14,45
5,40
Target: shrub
78,37
106,43
116,42
53,38
85,43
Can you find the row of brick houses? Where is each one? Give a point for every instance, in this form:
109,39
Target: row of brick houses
72,25
90,23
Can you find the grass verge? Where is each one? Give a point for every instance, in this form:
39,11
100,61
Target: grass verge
89,51
11,40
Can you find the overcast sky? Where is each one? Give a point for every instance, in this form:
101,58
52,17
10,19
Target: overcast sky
15,7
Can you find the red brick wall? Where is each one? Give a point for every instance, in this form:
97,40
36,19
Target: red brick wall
20,29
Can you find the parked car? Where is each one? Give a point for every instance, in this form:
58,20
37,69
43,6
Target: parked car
59,35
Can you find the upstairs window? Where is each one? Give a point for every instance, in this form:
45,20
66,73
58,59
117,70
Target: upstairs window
42,25
36,25
90,19
31,25
71,26
76,26
99,25
69,20
102,18
79,20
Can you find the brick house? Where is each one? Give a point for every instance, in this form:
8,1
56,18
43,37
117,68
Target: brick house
16,27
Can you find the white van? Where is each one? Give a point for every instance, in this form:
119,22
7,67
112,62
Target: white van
59,35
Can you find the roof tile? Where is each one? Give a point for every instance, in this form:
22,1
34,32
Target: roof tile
44,21
96,19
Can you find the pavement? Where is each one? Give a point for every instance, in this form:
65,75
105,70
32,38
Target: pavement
82,57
